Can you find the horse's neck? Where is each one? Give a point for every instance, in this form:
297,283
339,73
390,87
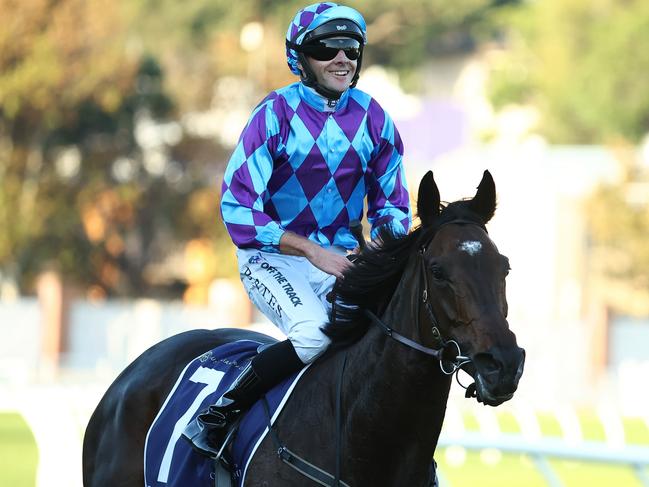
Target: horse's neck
395,396
401,384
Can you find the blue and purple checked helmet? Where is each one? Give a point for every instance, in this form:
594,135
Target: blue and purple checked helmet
310,18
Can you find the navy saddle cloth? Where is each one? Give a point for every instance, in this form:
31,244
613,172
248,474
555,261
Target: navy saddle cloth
169,460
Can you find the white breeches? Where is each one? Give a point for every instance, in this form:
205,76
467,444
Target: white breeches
291,292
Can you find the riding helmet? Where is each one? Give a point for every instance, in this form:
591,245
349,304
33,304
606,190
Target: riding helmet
317,22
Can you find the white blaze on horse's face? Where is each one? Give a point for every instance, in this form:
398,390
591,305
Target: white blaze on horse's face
471,247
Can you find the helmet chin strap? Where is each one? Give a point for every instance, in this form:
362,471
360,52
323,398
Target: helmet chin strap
323,90
309,79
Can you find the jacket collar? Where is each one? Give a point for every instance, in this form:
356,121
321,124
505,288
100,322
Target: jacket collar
319,102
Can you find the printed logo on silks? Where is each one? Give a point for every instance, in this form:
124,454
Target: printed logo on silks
330,105
255,259
266,293
286,286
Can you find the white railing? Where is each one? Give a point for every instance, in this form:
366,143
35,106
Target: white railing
540,450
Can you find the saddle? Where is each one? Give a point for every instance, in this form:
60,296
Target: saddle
171,461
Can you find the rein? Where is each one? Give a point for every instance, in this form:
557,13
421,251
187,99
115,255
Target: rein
441,352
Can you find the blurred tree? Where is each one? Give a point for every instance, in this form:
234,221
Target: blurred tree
55,57
97,174
199,41
92,177
582,64
618,223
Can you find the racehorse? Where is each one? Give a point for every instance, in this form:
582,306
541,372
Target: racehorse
413,309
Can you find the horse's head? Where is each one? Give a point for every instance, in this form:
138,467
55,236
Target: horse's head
465,275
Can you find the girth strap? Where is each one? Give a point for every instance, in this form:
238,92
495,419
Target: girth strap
308,469
300,464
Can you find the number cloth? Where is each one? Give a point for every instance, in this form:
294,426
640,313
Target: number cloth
169,461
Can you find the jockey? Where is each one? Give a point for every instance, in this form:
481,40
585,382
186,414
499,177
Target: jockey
309,155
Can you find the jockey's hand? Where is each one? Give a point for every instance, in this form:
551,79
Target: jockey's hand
329,262
325,260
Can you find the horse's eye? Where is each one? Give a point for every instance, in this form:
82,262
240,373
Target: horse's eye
437,272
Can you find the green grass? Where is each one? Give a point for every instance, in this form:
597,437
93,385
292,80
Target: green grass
493,469
509,471
591,426
514,470
579,474
549,424
18,452
636,431
508,423
19,455
470,421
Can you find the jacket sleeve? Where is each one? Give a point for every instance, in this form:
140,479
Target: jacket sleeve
244,184
388,202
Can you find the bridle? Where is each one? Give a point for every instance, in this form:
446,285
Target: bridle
439,352
443,350
448,352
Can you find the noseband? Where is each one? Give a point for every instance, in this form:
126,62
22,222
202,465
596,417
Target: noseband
444,348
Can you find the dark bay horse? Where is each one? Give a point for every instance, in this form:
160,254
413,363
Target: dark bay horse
414,308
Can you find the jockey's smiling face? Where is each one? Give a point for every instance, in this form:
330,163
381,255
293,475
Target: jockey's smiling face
335,74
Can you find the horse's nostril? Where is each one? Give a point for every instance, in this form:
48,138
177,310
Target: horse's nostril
487,364
521,364
499,370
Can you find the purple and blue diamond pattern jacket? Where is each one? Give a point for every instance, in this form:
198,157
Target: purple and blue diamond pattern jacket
306,166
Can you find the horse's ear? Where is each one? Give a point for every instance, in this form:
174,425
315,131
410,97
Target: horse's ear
428,200
484,201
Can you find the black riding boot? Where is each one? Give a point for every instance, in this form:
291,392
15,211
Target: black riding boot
273,364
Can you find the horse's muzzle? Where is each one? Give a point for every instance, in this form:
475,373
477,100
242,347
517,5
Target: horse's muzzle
497,373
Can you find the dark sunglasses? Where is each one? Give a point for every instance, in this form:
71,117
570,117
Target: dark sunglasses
327,49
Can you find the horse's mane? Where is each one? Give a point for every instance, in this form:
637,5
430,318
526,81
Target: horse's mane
370,283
